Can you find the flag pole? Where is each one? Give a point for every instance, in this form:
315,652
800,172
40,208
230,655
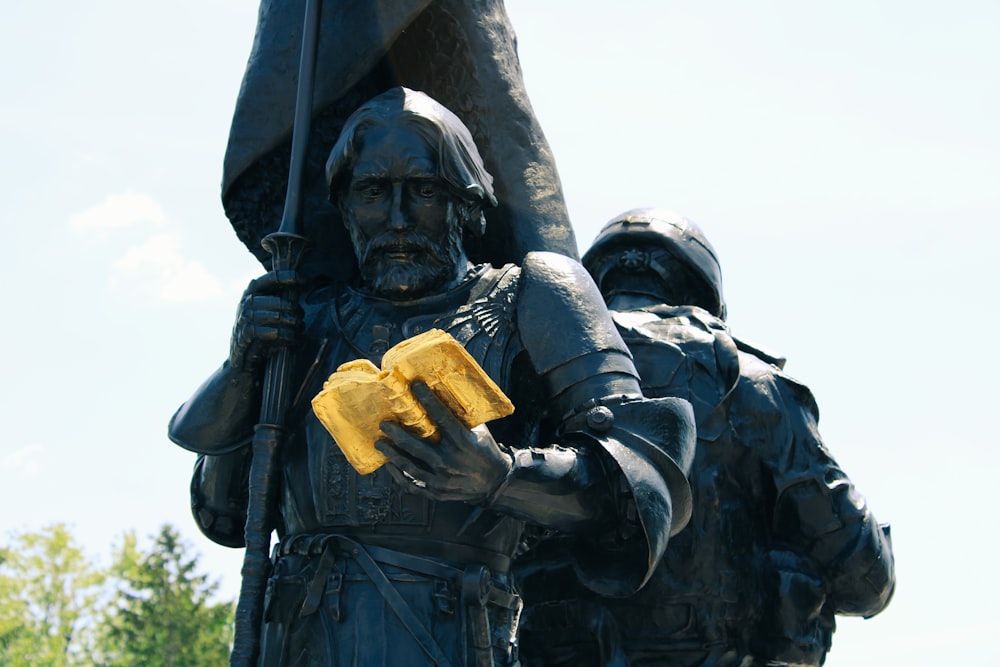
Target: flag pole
286,247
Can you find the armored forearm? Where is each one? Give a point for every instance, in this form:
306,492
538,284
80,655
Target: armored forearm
645,446
832,524
642,449
865,576
560,488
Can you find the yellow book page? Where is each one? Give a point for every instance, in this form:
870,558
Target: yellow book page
358,396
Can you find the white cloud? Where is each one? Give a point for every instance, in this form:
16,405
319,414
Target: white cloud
155,269
158,270
118,212
24,461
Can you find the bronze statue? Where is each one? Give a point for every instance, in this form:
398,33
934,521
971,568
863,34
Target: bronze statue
780,541
411,564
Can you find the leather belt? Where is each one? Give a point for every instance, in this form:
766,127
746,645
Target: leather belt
318,544
475,583
311,544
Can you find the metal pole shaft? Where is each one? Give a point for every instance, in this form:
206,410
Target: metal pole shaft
286,247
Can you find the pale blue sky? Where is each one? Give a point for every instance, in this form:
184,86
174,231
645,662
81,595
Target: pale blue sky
844,158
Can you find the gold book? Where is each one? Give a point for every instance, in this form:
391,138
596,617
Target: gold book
359,396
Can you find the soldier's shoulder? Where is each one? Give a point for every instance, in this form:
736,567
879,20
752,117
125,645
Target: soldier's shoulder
695,331
762,378
682,351
760,352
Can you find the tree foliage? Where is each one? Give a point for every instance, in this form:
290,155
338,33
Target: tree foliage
161,614
149,608
48,591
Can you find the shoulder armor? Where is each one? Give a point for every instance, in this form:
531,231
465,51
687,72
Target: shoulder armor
802,394
557,296
755,371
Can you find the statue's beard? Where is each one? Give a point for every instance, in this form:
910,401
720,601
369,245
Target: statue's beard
408,265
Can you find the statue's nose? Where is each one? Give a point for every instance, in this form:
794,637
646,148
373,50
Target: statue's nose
398,220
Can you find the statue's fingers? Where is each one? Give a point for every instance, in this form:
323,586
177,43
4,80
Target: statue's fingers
261,307
270,319
436,410
424,453
258,333
278,328
394,471
397,456
275,281
414,478
407,481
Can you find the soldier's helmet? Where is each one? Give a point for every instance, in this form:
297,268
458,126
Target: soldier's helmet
658,242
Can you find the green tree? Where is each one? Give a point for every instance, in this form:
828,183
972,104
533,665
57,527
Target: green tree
49,591
161,612
14,626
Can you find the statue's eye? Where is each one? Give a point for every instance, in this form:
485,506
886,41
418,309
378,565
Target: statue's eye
369,188
427,190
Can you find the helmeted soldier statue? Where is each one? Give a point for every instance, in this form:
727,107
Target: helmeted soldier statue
779,542
410,565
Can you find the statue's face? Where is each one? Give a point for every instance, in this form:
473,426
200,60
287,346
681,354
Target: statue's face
401,216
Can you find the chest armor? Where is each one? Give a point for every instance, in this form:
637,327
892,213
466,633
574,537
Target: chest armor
480,314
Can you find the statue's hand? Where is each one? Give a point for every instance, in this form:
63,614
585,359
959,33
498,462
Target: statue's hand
266,319
467,464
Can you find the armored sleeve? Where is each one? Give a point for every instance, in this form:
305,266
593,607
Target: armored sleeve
220,415
645,446
818,512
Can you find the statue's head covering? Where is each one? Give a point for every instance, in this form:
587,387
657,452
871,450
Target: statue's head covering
665,244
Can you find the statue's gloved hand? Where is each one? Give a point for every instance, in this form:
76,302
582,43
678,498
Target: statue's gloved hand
466,465
267,318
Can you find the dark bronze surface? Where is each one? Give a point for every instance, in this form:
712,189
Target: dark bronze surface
404,212
584,455
780,541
